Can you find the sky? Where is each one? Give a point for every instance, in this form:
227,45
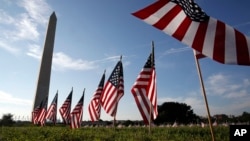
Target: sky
90,37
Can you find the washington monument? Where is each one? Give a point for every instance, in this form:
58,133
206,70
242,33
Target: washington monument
43,82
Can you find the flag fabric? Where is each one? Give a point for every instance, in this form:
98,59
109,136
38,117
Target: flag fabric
76,114
95,104
188,23
52,110
144,91
35,113
113,90
65,108
42,113
198,55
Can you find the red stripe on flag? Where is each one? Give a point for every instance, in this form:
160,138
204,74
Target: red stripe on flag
95,105
241,48
200,37
219,42
112,102
166,19
150,9
139,104
182,29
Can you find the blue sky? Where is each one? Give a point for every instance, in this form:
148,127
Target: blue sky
90,37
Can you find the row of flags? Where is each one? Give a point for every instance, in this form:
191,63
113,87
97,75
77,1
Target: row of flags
183,20
74,118
107,96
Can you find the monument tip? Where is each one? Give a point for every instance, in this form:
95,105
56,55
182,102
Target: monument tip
53,15
121,58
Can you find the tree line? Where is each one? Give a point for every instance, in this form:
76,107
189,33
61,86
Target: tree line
171,112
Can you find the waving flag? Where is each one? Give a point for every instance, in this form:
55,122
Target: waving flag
113,90
95,104
42,112
188,23
52,110
36,112
144,91
76,114
65,109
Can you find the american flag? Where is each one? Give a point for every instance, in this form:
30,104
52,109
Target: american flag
35,113
113,90
95,104
52,110
65,108
144,91
76,114
42,113
188,23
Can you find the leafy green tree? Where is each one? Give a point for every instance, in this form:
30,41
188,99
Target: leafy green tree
169,112
245,117
7,120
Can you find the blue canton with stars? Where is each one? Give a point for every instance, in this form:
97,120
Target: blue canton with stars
192,10
116,74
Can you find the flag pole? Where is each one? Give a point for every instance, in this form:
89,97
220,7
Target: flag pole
150,110
204,95
82,103
149,122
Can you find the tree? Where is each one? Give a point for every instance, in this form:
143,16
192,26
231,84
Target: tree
7,120
245,117
170,112
221,118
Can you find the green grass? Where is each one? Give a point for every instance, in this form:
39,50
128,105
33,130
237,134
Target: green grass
112,134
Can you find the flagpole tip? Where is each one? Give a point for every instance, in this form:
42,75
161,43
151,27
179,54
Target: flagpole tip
120,57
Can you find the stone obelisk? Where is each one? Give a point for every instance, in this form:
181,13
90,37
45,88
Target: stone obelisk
43,82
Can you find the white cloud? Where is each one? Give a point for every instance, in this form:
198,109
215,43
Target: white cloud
107,59
8,47
176,50
236,107
26,29
7,98
34,51
246,82
225,86
38,10
5,18
236,94
62,61
24,26
196,103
